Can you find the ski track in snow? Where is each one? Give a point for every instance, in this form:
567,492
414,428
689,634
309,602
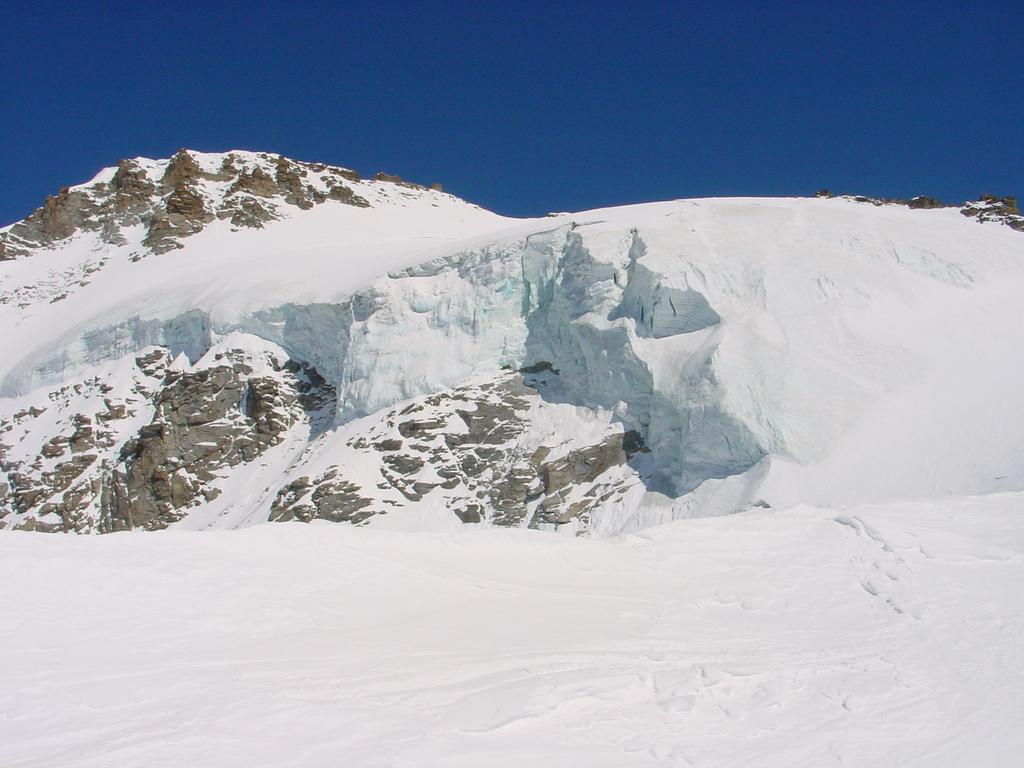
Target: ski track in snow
867,636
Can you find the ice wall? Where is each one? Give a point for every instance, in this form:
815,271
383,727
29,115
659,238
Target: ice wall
547,297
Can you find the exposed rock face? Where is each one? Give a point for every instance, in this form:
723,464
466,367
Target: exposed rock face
345,195
1003,210
131,193
180,200
393,179
924,201
469,450
326,498
582,467
60,216
247,213
184,214
205,421
919,201
142,460
58,489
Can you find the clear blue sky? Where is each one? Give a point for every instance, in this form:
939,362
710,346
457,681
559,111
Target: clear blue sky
528,107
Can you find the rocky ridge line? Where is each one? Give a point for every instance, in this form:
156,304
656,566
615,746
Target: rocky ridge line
247,189
1001,210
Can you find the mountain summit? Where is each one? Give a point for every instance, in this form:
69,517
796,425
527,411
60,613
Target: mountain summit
168,200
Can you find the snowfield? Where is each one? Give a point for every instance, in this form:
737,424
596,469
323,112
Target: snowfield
867,636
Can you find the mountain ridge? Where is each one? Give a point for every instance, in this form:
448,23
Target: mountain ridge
256,175
163,194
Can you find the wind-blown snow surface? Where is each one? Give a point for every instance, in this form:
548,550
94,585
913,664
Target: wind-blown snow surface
871,636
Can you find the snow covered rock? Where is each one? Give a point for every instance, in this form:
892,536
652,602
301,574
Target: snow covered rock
178,198
495,450
991,208
141,442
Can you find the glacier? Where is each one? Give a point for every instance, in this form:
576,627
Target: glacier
763,351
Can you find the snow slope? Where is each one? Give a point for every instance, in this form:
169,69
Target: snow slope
872,636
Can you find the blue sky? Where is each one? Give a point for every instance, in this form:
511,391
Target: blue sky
528,107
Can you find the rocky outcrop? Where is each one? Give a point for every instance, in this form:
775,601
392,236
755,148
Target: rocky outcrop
926,202
247,212
393,179
582,467
180,200
1002,210
919,201
255,182
57,486
184,213
138,450
60,216
206,421
326,498
467,449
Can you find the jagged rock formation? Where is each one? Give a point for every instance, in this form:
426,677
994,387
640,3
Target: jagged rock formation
472,445
55,476
179,198
205,421
141,460
1002,210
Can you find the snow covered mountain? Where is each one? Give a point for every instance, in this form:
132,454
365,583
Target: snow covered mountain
219,340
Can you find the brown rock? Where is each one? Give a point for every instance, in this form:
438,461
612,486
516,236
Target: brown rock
257,182
344,194
182,168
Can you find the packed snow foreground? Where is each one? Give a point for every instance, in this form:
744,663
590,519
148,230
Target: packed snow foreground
227,342
875,636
